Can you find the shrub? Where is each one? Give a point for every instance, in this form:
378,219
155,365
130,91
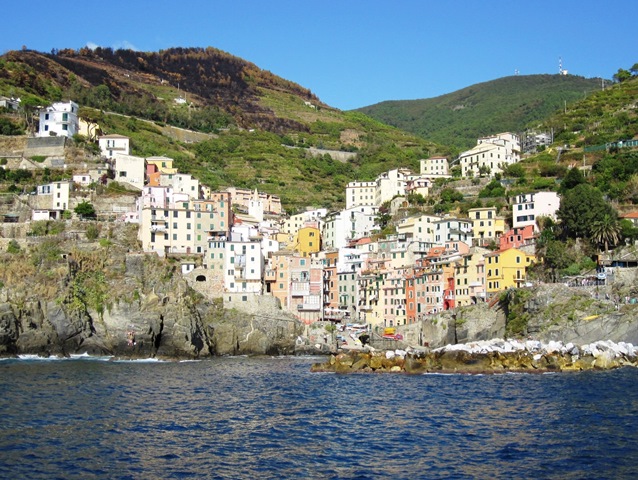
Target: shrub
92,231
13,247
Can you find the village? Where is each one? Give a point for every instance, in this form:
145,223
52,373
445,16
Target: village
319,265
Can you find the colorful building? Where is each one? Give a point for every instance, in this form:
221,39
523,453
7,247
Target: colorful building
506,269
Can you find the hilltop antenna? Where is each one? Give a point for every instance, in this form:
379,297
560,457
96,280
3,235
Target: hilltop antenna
560,67
516,72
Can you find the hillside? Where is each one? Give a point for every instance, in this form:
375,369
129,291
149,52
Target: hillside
502,105
261,126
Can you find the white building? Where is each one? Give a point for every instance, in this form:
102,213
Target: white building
419,229
452,229
243,196
360,193
59,119
83,179
292,224
391,184
181,183
419,186
341,227
528,207
269,246
435,167
243,267
111,145
491,155
129,169
52,200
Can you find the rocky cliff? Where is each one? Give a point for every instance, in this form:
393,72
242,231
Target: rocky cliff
58,299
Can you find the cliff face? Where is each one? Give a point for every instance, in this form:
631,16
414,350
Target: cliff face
169,327
166,327
126,305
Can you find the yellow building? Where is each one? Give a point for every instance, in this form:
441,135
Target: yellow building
308,241
486,226
163,164
506,269
469,277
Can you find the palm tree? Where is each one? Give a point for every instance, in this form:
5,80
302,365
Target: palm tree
606,230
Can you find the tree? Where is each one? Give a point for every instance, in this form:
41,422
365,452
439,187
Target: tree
85,209
557,257
515,170
580,208
627,230
484,170
605,230
492,189
30,106
634,69
451,195
621,75
574,177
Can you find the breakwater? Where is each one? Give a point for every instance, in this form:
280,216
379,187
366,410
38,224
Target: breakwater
493,356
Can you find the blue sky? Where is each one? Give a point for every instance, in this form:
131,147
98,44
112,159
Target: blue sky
353,53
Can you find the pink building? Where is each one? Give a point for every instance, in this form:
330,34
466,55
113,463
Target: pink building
517,237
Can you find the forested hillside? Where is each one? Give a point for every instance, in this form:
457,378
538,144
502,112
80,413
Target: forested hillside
502,105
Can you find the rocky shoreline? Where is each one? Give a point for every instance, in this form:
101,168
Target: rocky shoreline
493,356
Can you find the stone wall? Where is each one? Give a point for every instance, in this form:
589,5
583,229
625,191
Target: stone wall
45,147
337,155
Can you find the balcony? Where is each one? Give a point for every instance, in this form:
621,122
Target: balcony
158,218
308,307
158,228
300,289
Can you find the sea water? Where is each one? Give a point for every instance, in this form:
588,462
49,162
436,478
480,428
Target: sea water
263,418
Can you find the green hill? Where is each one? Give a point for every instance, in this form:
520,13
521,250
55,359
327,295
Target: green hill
260,126
502,105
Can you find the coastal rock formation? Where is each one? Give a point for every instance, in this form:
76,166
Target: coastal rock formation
547,312
147,311
166,328
495,356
